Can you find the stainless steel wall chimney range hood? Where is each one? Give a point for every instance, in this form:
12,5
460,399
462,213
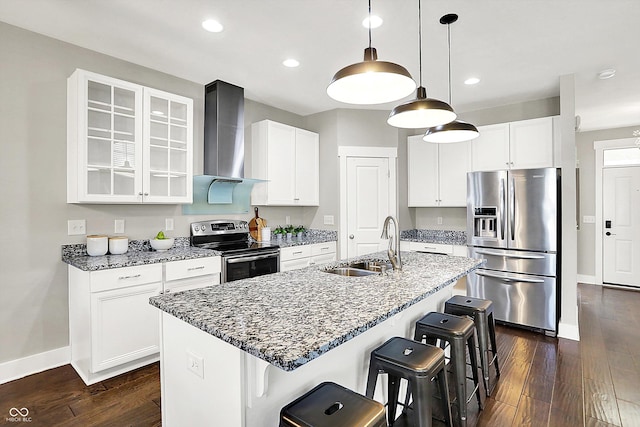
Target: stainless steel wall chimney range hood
224,141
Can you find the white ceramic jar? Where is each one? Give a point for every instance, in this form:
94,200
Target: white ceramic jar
97,245
118,245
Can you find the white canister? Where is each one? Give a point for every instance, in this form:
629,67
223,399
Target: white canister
265,234
118,245
97,245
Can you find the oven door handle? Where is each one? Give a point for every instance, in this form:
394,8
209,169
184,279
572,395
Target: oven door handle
236,260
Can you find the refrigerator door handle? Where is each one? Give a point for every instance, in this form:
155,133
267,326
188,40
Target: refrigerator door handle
503,202
521,256
508,279
512,214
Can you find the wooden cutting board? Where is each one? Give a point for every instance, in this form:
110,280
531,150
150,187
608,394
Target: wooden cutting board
255,225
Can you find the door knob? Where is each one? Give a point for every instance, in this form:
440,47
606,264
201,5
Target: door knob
351,236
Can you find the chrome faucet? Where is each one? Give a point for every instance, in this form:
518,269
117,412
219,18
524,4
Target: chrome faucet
394,242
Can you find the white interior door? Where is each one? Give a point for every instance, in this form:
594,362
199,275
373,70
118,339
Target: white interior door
621,239
368,187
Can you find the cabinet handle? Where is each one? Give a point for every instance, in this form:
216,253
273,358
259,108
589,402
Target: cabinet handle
427,247
195,268
324,249
143,194
129,277
296,198
296,253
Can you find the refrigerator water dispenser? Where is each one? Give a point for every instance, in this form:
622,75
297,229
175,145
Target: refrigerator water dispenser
485,222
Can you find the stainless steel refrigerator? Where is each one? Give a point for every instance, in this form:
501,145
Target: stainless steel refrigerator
513,221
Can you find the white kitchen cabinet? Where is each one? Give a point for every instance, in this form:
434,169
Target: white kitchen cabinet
288,159
127,143
437,173
112,327
297,257
525,144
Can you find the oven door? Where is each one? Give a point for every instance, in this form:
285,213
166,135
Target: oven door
242,266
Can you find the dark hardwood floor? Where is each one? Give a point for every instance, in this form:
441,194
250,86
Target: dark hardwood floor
544,381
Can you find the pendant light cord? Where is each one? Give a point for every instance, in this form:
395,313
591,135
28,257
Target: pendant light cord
449,44
420,39
369,24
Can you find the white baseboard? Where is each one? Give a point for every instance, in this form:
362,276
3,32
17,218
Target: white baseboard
20,368
586,278
570,332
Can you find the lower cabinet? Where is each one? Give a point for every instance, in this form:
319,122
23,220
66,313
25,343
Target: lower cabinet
296,257
460,288
112,327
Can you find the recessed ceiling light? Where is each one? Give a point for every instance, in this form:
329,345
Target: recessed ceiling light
291,63
212,25
606,74
374,21
472,81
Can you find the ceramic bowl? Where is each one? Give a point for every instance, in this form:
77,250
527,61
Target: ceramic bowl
161,244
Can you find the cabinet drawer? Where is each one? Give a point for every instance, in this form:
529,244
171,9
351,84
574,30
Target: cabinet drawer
295,252
117,278
323,248
437,248
192,268
294,264
323,259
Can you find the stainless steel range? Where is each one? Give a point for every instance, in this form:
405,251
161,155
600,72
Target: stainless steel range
241,256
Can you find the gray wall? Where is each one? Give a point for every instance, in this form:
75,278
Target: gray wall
455,218
586,159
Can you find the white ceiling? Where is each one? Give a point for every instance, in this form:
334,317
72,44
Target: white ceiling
519,48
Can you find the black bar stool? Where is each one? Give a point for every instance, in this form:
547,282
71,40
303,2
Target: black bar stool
457,332
417,363
331,405
481,311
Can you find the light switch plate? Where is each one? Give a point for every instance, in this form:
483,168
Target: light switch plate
439,220
588,219
168,224
328,220
118,226
287,220
76,227
195,364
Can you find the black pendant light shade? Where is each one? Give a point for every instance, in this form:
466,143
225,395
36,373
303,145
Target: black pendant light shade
371,81
457,130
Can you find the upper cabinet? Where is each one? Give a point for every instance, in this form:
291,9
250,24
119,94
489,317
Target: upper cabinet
127,143
288,159
525,144
437,173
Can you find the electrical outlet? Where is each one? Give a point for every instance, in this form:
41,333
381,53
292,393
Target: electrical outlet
118,226
76,227
168,224
195,364
439,220
328,220
287,220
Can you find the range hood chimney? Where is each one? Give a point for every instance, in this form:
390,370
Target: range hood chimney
224,131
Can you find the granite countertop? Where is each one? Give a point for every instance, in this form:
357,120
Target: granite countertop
446,237
139,253
290,318
310,237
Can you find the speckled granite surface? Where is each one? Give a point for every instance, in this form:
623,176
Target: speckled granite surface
139,253
290,318
447,237
309,237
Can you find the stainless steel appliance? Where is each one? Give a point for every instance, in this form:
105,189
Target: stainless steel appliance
241,256
513,221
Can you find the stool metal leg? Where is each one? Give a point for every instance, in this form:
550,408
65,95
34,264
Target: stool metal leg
458,360
421,390
494,346
444,396
372,378
471,344
483,345
393,389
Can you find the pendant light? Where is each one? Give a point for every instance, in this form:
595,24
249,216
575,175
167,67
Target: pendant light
457,130
371,81
422,112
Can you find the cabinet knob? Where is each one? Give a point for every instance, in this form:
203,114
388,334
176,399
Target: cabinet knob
351,236
140,193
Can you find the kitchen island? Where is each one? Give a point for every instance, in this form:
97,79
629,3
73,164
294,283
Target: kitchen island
235,353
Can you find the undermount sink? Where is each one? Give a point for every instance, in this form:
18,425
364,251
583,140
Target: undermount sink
350,271
362,268
377,266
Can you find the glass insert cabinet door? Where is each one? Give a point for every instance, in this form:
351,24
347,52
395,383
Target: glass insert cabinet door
168,142
109,139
